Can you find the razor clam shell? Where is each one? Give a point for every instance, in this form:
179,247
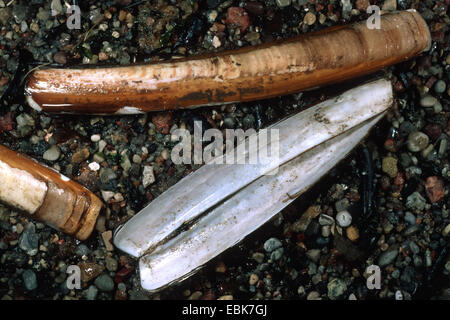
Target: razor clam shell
228,223
210,184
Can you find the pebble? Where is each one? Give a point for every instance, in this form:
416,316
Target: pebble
96,138
226,297
283,3
90,270
29,240
52,154
107,195
446,231
277,254
94,166
272,244
352,233
336,288
310,18
326,220
253,279
195,295
148,176
389,166
388,256
344,219
238,17
107,237
111,264
258,257
410,218
104,283
415,201
60,57
29,280
313,255
435,189
428,101
92,293
82,250
440,86
417,141
313,295
80,155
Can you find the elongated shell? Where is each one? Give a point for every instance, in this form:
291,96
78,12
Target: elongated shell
227,224
250,73
220,199
210,184
46,195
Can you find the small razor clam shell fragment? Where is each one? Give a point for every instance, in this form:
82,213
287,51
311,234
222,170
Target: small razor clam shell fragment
210,184
46,195
251,73
229,222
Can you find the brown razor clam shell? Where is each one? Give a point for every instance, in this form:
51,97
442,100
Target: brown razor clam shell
65,205
251,73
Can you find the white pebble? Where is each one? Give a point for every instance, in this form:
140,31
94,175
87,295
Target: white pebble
344,219
95,138
94,166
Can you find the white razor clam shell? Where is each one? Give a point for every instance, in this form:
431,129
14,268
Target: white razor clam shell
244,212
212,183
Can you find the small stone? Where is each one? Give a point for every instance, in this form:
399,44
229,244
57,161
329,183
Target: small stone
90,270
398,295
82,250
428,101
352,233
29,240
238,17
415,201
107,237
226,297
435,189
325,220
310,18
344,219
104,283
92,293
272,244
111,264
336,288
258,257
302,224
389,166
446,231
313,255
56,7
410,218
29,280
148,176
440,86
362,5
195,295
107,195
313,295
388,256
417,141
253,279
221,267
52,154
60,57
283,3
163,122
94,166
95,138
80,155
216,42
276,254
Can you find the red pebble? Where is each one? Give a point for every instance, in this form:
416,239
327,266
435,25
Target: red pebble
123,274
163,122
238,17
6,122
434,188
